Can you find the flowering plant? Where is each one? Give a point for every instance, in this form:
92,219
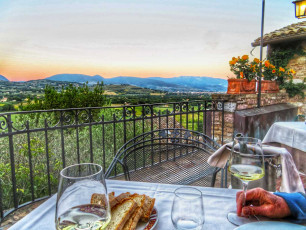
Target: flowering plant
270,72
284,74
243,68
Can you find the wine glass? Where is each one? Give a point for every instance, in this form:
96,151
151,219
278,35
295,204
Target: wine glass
75,208
247,164
187,209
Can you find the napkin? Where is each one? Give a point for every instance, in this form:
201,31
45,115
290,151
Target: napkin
291,181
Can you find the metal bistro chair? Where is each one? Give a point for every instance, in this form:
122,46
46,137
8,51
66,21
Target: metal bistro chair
170,156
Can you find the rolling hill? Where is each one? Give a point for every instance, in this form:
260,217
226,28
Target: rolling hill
81,78
214,84
182,84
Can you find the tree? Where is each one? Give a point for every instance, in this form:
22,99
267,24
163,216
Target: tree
69,97
7,107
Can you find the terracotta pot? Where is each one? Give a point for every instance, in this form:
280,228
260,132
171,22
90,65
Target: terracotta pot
241,86
269,86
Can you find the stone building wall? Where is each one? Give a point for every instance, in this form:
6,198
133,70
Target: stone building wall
248,101
300,102
298,63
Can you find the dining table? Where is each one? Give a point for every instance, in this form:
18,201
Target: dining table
217,203
292,136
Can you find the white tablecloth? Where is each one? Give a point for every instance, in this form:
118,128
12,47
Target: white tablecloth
217,203
292,134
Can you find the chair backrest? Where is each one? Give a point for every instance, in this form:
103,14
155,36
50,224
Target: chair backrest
174,156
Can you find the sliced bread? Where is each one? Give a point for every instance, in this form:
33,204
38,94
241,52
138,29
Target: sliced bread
99,199
139,199
116,200
133,221
111,195
147,208
121,213
131,224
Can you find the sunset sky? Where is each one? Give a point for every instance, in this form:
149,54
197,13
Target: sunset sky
141,38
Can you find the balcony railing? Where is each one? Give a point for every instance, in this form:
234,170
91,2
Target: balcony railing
36,145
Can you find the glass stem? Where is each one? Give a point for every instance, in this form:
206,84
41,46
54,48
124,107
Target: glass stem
245,187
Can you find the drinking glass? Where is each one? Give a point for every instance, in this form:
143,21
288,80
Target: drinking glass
187,209
74,209
247,164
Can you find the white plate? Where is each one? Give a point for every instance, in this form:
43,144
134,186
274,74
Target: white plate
150,225
270,225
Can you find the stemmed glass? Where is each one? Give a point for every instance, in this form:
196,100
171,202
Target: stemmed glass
74,207
247,164
187,209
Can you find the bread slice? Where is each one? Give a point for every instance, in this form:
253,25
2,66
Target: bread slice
121,213
116,200
133,221
131,224
111,195
139,199
147,208
99,199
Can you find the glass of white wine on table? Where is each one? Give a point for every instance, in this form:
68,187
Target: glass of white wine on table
247,164
76,209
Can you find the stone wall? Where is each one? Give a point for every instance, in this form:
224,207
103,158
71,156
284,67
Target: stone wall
298,63
300,102
247,101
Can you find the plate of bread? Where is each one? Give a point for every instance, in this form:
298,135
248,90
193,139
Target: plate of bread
130,211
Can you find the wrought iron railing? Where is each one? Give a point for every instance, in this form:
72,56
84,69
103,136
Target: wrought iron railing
36,145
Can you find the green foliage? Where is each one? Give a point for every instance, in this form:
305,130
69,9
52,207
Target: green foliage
295,89
7,107
69,97
150,99
125,89
281,56
17,98
22,173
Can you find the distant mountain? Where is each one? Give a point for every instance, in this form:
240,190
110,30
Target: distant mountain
207,83
183,83
2,78
76,78
145,83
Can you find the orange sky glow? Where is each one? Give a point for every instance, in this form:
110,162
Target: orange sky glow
161,38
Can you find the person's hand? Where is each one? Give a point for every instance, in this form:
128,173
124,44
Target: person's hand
262,203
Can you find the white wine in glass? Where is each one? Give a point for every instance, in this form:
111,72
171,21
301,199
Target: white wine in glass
74,209
247,164
247,172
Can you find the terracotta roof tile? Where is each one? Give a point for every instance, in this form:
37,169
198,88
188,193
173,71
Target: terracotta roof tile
295,31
